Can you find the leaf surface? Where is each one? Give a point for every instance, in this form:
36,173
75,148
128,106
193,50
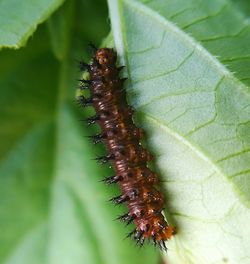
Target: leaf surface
19,19
188,64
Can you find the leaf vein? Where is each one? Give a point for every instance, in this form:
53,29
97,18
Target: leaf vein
168,72
206,17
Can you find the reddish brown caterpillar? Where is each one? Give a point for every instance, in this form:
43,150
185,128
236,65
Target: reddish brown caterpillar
122,139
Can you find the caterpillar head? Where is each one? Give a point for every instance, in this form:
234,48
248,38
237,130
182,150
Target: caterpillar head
106,56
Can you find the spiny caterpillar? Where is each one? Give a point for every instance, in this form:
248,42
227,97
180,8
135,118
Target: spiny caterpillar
122,140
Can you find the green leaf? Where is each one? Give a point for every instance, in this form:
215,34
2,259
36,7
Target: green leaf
188,67
53,207
19,19
244,5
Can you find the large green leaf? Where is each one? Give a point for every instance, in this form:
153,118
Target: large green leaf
53,207
19,19
188,83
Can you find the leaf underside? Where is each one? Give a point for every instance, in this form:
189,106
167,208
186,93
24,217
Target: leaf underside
188,66
189,75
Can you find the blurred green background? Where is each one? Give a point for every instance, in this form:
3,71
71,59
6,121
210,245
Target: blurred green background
53,208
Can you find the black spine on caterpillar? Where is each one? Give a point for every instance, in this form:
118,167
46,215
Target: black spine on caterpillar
122,140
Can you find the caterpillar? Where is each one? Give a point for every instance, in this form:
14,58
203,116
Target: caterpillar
137,182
